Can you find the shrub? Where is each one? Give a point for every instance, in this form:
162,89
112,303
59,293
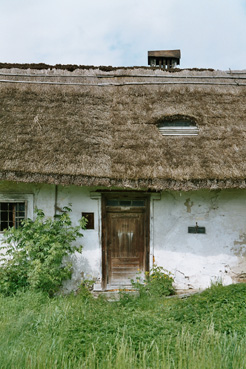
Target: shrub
34,253
157,282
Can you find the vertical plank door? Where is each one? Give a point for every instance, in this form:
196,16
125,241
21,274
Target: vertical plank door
125,245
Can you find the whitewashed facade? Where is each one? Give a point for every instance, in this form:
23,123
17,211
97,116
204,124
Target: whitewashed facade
195,260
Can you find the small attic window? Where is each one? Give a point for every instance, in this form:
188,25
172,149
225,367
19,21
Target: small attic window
178,127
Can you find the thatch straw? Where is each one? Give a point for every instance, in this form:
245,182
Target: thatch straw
108,136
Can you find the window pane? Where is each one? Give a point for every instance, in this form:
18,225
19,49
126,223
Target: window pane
20,214
11,214
4,215
4,206
138,203
20,206
125,203
177,123
3,226
18,222
10,223
112,203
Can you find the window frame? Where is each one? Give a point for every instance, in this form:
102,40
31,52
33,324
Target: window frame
18,198
178,126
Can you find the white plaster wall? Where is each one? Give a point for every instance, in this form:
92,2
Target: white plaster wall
196,260
87,265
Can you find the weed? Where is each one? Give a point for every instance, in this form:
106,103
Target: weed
157,282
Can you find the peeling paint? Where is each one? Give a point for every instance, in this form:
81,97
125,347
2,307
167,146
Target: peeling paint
195,260
242,240
239,247
199,260
239,251
214,201
188,205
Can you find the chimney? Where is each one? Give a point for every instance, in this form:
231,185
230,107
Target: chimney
166,59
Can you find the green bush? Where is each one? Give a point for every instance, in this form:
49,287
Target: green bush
157,282
34,254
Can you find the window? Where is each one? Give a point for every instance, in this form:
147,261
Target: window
125,203
13,208
90,220
11,214
178,127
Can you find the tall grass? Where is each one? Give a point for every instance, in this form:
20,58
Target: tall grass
211,351
202,332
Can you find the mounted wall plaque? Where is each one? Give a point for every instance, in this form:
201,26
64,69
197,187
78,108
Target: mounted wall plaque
197,229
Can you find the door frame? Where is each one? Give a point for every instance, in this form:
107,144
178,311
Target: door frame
124,195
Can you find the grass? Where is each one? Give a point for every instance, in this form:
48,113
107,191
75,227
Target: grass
202,331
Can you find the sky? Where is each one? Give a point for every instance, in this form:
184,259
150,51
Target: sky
209,33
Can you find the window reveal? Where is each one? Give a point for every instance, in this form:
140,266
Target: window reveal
11,214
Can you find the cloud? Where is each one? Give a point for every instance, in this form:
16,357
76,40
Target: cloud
209,33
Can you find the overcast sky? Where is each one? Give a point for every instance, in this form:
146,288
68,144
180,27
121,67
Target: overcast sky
210,33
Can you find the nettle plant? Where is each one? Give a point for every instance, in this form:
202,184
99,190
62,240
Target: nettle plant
33,256
157,282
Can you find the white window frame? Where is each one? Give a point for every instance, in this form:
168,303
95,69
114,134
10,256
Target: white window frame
175,128
179,131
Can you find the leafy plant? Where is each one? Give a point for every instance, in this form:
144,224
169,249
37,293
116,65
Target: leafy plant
156,282
34,254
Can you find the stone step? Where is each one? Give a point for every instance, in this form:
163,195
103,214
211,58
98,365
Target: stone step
114,294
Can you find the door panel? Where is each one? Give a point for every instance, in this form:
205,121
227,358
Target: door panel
125,245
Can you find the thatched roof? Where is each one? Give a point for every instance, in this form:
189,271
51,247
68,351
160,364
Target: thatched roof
97,128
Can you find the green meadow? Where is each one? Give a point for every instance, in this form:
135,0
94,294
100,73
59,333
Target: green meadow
206,330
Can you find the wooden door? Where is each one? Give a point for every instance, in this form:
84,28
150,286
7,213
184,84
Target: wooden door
126,241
